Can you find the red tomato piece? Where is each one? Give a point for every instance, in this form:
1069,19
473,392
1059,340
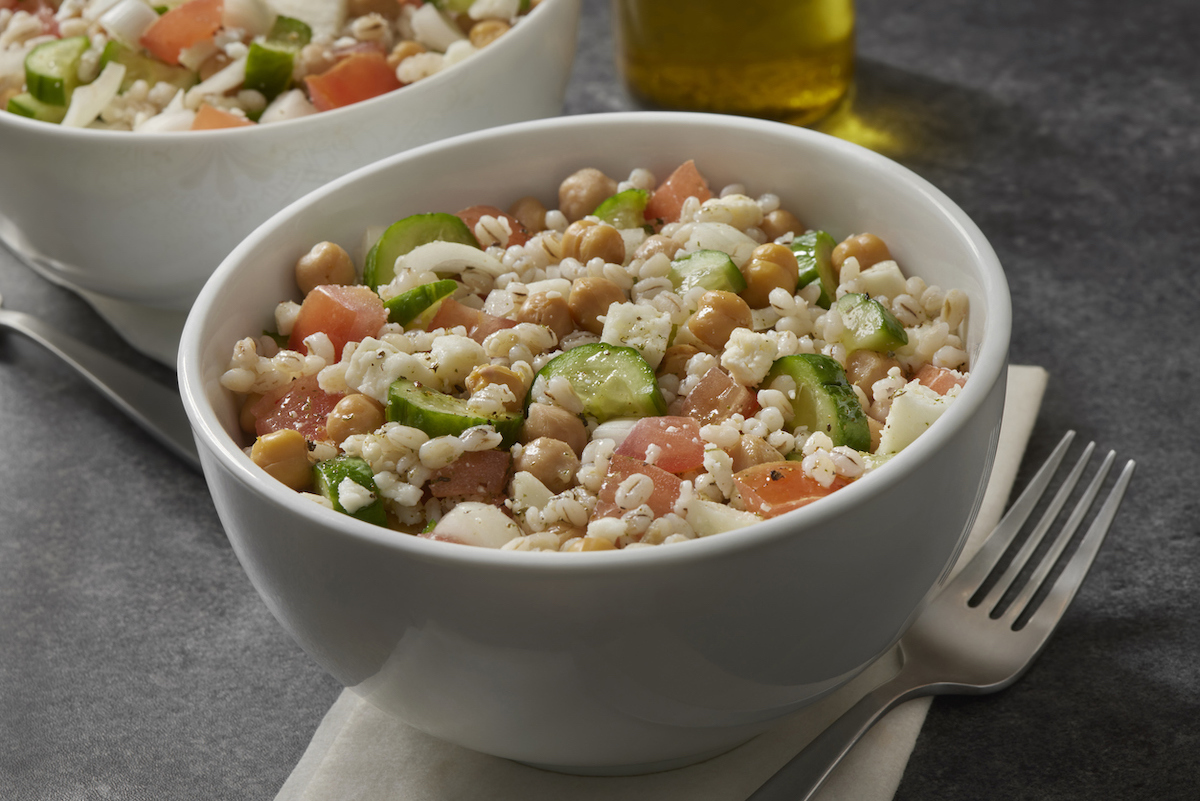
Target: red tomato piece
479,324
677,438
471,215
182,27
662,500
209,118
480,475
772,489
939,379
359,76
716,397
344,313
667,200
301,405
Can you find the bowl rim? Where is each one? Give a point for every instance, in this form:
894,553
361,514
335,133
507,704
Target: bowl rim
529,27
990,369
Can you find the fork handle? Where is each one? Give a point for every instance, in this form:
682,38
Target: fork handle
804,773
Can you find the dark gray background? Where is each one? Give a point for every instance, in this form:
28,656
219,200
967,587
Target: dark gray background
136,662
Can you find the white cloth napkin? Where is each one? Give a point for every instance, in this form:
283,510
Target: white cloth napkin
362,754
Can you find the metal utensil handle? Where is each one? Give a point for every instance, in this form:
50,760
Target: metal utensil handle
804,773
154,407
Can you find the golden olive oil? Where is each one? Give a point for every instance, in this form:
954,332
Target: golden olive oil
789,60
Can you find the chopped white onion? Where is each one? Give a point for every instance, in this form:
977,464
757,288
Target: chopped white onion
127,21
96,8
88,101
434,29
290,105
180,119
231,77
252,16
450,257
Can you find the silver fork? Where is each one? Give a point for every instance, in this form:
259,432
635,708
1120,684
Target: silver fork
154,407
966,641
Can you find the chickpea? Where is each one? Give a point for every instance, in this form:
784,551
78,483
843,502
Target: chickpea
780,222
770,266
386,8
674,361
868,249
284,455
353,414
657,243
587,239
548,309
716,317
326,263
246,418
590,299
543,420
486,31
865,367
404,49
530,212
551,461
583,191
486,374
589,544
876,428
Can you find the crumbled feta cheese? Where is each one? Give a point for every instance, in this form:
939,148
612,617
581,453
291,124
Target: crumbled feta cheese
353,496
914,408
637,326
748,356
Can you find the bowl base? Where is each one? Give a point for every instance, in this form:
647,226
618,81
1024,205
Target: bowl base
639,769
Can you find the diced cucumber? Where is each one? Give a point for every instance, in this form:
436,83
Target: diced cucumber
269,69
869,325
813,251
408,306
824,400
52,69
411,232
142,67
27,105
611,381
711,269
289,32
453,6
624,209
439,414
330,474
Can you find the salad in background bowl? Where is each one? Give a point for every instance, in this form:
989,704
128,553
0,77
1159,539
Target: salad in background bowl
115,195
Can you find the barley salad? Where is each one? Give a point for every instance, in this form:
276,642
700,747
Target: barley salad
177,65
648,363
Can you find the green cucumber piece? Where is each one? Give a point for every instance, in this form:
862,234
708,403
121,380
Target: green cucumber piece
269,69
711,269
813,251
824,400
611,380
329,475
141,67
439,414
869,325
408,306
52,69
625,209
27,105
407,234
289,32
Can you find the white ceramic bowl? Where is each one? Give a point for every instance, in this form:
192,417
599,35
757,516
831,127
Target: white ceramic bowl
137,222
609,661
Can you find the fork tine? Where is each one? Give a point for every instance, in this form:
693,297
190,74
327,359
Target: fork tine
1009,577
1018,604
1045,619
973,573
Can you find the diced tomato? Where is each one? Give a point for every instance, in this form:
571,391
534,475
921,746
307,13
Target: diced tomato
680,448
359,76
939,379
716,397
479,324
667,200
344,313
301,405
183,27
772,489
210,118
662,500
481,475
471,215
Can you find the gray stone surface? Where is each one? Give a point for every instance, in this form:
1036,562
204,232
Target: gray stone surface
136,661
